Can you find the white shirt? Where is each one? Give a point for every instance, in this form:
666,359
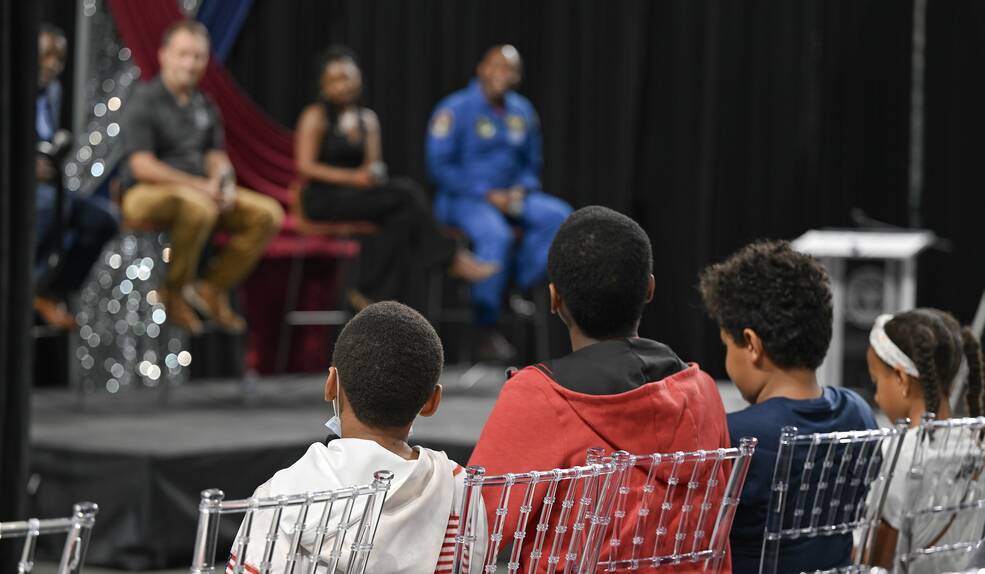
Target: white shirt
420,516
951,474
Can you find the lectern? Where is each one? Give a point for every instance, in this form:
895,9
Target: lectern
872,272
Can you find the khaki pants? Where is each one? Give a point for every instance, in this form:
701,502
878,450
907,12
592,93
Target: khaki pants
190,216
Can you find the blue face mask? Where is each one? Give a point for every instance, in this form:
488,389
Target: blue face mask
334,424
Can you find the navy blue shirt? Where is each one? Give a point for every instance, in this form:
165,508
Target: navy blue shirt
837,409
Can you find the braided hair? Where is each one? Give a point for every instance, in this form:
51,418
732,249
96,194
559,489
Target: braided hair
976,372
936,343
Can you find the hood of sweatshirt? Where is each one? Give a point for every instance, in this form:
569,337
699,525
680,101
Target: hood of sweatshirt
635,395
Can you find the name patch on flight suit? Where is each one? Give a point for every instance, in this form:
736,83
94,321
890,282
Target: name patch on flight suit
485,128
441,124
517,128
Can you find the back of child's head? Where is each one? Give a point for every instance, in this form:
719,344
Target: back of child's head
936,342
781,294
600,263
388,359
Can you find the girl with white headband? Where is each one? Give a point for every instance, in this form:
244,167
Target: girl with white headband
913,358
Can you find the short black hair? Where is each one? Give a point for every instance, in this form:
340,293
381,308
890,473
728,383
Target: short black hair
388,359
51,30
335,53
781,294
330,55
600,264
187,25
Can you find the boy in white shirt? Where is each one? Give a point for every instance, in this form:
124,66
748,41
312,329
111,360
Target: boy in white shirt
386,366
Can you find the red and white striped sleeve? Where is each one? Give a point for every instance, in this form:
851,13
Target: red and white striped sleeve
231,566
446,557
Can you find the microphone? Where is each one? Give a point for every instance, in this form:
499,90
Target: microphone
56,149
862,219
227,193
379,171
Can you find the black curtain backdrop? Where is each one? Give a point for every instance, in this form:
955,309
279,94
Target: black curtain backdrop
712,123
954,201
18,87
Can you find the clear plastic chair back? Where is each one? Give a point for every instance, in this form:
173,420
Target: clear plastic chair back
943,520
317,532
675,508
829,485
543,521
77,528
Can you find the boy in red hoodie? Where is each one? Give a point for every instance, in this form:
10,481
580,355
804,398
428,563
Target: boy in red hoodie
615,389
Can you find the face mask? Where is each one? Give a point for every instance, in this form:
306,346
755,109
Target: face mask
334,424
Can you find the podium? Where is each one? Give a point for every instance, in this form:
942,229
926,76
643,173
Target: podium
872,272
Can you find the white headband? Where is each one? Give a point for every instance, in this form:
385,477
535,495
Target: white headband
887,349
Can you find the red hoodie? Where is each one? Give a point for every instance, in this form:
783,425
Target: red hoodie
628,394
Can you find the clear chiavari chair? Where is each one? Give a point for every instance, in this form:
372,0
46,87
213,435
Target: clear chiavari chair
943,520
837,482
78,529
346,527
557,518
675,508
854,570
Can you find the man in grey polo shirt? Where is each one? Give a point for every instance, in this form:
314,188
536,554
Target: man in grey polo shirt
178,177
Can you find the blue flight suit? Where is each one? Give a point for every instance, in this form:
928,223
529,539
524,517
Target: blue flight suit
472,148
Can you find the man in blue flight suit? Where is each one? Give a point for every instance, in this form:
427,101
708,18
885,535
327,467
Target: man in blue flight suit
484,154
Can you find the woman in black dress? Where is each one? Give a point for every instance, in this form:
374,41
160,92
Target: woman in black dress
337,151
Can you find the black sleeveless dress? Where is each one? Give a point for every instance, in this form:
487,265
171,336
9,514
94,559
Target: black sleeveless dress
410,241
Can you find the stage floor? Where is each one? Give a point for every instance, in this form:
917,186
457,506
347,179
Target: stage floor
144,461
217,416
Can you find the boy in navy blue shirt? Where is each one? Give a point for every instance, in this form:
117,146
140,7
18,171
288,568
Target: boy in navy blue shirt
773,308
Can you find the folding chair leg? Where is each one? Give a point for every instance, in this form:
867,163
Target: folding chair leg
469,340
290,305
346,278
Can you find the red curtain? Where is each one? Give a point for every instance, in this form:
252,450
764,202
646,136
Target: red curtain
261,151
263,154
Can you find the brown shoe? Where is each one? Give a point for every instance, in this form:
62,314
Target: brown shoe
214,304
465,266
179,313
54,313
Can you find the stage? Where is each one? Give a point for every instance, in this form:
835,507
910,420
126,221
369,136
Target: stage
145,461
